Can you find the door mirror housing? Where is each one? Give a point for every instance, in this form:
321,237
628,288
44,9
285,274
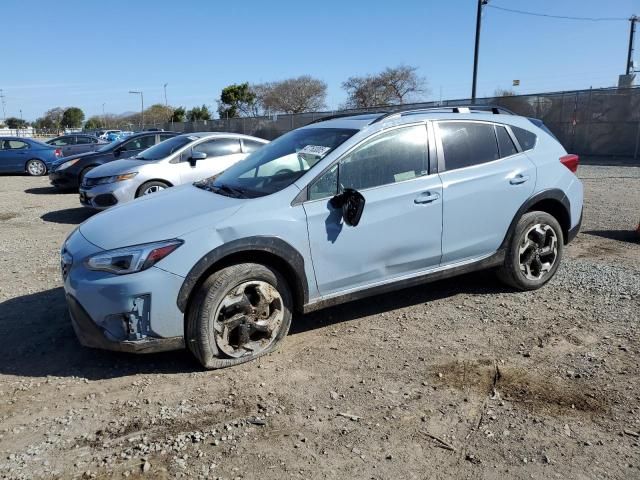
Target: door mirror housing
195,156
352,204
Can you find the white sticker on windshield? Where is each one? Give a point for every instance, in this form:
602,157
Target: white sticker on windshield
193,139
317,150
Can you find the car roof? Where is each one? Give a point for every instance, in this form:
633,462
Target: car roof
361,121
222,134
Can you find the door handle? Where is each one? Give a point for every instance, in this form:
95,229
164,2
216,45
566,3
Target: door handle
427,197
519,179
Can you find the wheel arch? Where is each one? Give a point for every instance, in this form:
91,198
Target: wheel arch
270,251
552,201
161,180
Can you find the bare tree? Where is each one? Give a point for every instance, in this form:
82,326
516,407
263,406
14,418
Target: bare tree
293,95
504,92
396,85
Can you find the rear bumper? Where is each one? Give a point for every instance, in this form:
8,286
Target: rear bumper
91,335
575,230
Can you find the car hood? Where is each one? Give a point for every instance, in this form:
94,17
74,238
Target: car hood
80,155
161,216
117,167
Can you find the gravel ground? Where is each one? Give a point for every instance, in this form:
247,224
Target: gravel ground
461,378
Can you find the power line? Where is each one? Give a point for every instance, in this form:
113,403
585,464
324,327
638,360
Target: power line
561,17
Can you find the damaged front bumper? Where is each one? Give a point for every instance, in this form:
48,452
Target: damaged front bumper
128,313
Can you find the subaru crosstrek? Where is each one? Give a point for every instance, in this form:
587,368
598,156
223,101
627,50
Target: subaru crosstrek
337,210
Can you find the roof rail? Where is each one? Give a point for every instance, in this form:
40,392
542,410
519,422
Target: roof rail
448,109
342,115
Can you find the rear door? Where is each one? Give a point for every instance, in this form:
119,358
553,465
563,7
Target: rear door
485,180
221,154
85,144
66,144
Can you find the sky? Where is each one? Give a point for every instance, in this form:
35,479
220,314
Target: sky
86,53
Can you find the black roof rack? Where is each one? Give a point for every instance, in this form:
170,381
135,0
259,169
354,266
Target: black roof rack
448,109
350,114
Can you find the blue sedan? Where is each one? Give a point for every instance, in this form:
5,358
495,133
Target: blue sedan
19,155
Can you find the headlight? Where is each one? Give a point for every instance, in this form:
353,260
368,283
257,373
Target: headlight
131,259
114,179
66,165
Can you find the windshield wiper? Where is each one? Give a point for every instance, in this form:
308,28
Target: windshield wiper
234,191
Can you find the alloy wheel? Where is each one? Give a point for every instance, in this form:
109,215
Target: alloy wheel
248,319
538,251
36,168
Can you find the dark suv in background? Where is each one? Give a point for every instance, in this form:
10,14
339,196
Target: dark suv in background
74,144
68,172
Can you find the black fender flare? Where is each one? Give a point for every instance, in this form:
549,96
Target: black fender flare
549,194
273,246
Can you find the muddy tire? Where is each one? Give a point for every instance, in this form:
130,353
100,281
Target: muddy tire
238,314
534,252
36,168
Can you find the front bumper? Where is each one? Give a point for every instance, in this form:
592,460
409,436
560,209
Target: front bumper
128,313
63,179
91,335
101,197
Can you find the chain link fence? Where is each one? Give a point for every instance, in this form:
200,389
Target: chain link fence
594,122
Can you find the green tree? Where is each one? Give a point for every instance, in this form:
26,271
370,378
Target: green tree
72,117
13,123
178,115
238,100
158,113
199,113
93,123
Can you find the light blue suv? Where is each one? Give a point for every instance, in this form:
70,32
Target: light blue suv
337,210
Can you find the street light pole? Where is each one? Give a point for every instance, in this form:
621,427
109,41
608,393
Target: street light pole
632,33
138,92
481,3
166,104
104,116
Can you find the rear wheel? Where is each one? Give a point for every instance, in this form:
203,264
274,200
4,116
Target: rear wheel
534,252
36,168
238,314
151,187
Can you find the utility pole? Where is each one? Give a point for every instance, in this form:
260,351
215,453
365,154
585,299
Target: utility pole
165,95
632,33
138,92
104,117
481,3
2,97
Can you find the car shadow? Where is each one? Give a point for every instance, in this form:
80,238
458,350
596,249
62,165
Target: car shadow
621,235
70,216
38,340
479,283
48,191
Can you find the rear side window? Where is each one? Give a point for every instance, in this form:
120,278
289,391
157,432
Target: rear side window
526,139
62,141
84,140
218,148
505,143
14,145
465,144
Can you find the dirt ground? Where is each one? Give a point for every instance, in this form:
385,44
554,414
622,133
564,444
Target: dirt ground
457,379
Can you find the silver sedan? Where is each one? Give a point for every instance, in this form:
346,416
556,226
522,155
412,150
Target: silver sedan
182,159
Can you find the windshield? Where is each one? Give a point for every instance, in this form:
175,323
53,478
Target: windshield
278,164
166,148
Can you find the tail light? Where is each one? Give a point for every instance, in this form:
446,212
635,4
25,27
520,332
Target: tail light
571,162
57,152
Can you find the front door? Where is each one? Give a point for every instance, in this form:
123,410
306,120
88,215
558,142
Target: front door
221,154
399,233
136,145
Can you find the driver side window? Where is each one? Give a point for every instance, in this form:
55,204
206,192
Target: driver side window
391,157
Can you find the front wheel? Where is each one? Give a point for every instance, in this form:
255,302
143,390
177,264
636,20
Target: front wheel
151,187
239,313
534,252
36,168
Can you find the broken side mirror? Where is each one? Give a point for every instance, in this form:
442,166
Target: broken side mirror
352,204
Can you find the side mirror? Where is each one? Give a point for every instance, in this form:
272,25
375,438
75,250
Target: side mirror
352,204
117,152
195,156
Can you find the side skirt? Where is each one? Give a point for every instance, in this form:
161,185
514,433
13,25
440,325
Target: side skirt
489,262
